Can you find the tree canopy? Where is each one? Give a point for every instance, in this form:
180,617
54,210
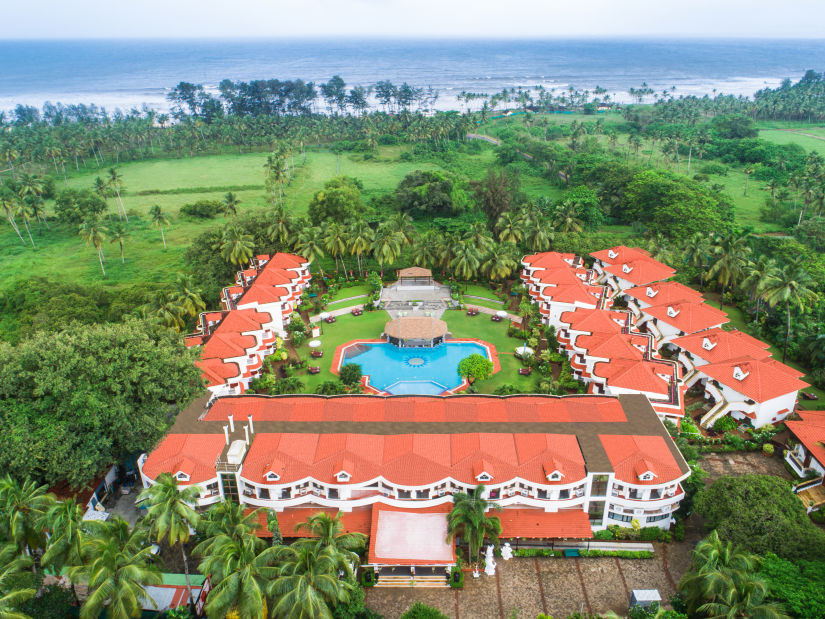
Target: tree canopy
76,401
339,200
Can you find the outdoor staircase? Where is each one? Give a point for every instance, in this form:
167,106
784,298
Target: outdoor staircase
434,581
715,413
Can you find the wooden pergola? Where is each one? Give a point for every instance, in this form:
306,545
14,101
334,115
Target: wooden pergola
415,276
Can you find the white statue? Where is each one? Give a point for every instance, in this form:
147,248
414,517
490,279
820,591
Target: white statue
489,562
507,552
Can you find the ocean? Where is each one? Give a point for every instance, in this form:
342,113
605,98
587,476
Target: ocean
127,73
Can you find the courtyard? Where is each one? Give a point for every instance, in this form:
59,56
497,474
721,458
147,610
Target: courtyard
526,587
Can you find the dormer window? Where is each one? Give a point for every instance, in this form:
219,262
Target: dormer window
554,476
626,268
648,476
343,476
672,311
651,293
739,373
272,476
484,477
611,253
708,345
181,476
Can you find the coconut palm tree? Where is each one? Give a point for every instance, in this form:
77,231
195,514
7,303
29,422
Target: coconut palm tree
7,200
403,224
167,311
115,183
790,286
469,520
22,209
510,227
307,584
310,244
480,237
64,522
281,227
539,236
170,513
759,273
698,252
94,232
117,234
335,242
566,219
187,296
744,595
117,567
159,221
230,204
227,518
11,594
500,263
329,532
387,244
236,246
241,570
22,509
359,239
730,257
465,262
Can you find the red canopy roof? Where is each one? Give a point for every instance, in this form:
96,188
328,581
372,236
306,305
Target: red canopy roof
632,456
688,316
758,379
539,524
716,345
811,433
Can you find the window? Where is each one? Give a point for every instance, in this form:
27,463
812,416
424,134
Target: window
596,512
619,517
263,493
657,518
633,493
564,494
655,494
484,477
599,485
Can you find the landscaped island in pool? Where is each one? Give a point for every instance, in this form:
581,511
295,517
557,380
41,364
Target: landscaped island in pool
424,371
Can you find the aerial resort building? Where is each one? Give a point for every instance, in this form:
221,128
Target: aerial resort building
416,332
235,341
644,334
560,466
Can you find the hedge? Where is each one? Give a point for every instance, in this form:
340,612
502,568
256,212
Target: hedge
623,554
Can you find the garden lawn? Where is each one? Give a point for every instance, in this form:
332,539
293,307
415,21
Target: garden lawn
479,291
496,305
351,291
794,136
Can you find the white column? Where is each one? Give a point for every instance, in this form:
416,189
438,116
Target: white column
231,423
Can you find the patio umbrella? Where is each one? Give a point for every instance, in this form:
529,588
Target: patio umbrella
323,315
501,314
314,343
524,351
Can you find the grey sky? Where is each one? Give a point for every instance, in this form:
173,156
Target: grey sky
411,18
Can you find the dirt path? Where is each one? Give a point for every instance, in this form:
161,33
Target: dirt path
807,135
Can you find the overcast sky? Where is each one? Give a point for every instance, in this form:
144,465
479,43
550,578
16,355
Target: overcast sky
46,19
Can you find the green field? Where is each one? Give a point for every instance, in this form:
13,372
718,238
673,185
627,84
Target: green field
795,136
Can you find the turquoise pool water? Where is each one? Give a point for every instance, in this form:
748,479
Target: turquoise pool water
422,371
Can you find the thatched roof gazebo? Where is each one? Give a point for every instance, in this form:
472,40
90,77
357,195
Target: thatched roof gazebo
415,276
415,332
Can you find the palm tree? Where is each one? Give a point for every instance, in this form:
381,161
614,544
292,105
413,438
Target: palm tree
167,310
187,295
116,182
230,204
403,224
759,273
11,594
744,596
567,219
731,254
236,246
386,246
117,567
309,244
335,242
359,238
539,236
329,531
792,286
170,513
22,509
241,570
307,584
469,520
23,209
510,227
159,221
63,521
117,234
697,253
8,202
227,518
465,262
500,263
94,233
282,225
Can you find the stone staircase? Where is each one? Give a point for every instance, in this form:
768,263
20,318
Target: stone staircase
434,581
715,413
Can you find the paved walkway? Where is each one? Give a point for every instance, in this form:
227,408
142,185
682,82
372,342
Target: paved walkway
558,587
335,312
487,310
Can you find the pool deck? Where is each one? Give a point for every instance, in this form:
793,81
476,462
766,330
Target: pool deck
338,358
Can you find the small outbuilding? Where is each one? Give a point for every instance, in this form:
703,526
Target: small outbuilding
415,276
415,332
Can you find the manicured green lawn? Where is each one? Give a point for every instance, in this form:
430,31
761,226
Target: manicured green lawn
789,137
370,325
479,291
496,305
351,291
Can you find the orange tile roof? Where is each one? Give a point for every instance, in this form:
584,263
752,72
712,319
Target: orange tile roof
690,317
810,432
613,345
764,379
636,375
641,272
358,520
539,524
191,341
723,344
228,339
194,454
413,459
469,408
572,293
594,320
217,371
622,254
548,260
658,293
632,456
557,276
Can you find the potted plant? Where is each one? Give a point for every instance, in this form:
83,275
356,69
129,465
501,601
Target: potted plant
767,450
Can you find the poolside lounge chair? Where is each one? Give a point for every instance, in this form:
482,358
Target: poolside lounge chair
525,371
314,369
317,354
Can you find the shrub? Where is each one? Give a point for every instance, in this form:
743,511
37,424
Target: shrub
767,449
725,424
350,374
203,209
331,387
475,365
456,578
714,168
507,389
368,578
537,552
623,554
422,611
603,535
